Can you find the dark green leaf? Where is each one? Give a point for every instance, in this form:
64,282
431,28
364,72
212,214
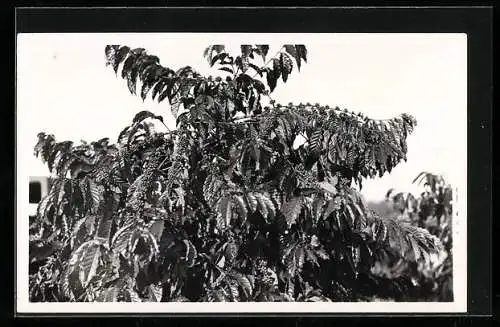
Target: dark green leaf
143,115
301,51
155,292
272,79
89,261
262,50
291,49
286,66
227,69
291,209
246,50
218,57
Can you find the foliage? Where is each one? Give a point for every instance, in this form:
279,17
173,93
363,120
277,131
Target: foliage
431,280
227,207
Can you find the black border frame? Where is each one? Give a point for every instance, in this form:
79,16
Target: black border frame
475,21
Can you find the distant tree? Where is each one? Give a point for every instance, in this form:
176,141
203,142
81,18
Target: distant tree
226,207
429,280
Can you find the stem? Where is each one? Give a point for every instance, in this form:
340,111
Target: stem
159,166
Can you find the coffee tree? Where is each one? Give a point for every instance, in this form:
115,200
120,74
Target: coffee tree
226,207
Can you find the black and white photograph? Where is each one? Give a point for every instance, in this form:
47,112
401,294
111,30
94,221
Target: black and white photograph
240,172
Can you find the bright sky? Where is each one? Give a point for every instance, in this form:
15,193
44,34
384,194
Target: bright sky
64,88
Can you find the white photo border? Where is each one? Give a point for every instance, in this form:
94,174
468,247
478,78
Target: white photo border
23,306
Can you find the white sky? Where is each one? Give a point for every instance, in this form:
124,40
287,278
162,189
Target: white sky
64,88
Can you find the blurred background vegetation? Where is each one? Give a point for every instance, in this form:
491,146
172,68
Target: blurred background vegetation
432,279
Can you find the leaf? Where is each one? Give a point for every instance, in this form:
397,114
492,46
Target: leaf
245,284
90,224
286,66
132,295
68,284
271,208
241,206
276,67
191,253
205,101
171,90
272,80
41,251
151,241
332,206
211,49
292,50
322,254
257,69
301,51
314,241
262,204
233,291
155,292
259,86
89,261
227,69
315,140
252,202
106,219
159,88
420,176
116,56
95,194
110,51
79,232
262,50
351,214
122,237
317,299
217,57
255,154
317,207
415,247
143,115
225,210
146,87
221,263
156,228
273,74
246,50
361,214
291,209
109,295
174,108
231,251
180,299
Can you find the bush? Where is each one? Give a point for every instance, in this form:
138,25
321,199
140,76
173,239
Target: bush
227,207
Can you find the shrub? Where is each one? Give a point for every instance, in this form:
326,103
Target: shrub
226,207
